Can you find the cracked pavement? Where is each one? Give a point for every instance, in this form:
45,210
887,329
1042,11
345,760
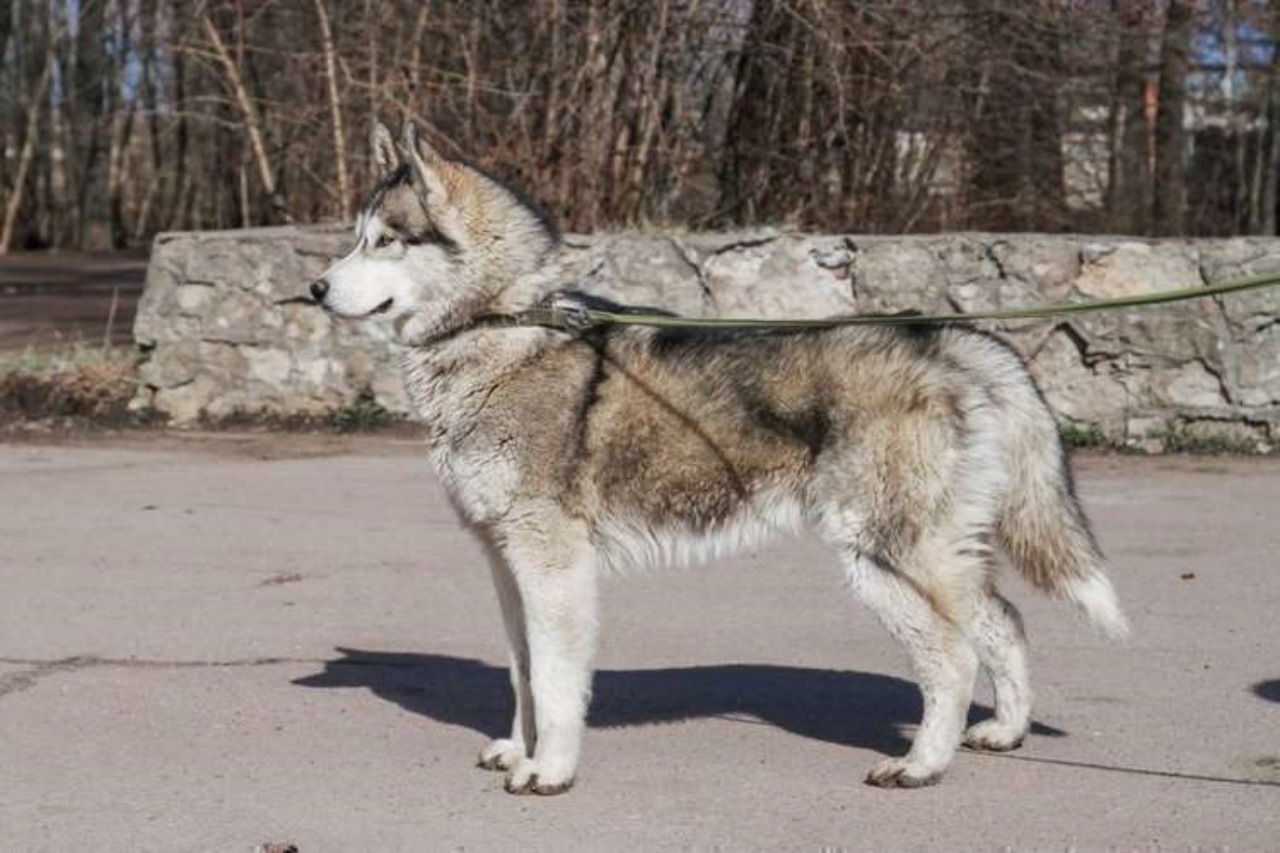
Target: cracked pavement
213,642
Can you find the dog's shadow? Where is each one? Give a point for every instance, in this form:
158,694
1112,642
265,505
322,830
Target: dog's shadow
859,709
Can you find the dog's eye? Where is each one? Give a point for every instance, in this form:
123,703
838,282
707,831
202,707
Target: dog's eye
384,241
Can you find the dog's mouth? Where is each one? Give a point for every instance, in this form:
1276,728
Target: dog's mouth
381,308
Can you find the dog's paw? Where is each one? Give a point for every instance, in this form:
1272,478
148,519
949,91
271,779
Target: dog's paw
994,736
902,773
527,777
500,754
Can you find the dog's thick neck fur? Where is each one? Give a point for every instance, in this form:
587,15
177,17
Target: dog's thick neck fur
462,246
511,260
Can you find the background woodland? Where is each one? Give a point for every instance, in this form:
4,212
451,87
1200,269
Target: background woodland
123,118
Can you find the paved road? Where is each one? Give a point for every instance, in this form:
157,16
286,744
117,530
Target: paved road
209,644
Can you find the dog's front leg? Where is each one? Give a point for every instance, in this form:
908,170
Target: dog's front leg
557,587
505,753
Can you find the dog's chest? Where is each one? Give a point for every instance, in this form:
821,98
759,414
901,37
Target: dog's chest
474,454
483,486
493,438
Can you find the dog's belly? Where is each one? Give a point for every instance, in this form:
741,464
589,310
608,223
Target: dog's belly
628,539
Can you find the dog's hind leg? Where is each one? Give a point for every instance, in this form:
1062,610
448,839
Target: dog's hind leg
995,628
555,574
505,753
944,662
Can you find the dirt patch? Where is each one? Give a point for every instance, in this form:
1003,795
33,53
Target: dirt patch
97,391
83,390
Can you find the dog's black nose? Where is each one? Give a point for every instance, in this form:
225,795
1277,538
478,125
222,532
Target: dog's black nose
319,288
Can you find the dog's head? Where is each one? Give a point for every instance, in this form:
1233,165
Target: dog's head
437,242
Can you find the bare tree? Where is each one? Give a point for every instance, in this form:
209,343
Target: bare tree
252,123
1140,116
1015,144
335,109
1129,188
1268,201
1170,188
25,156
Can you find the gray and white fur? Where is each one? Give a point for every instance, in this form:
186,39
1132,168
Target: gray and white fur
918,454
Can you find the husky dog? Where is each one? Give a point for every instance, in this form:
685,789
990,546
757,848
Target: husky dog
917,453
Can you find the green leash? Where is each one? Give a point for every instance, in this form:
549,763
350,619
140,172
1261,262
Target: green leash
564,313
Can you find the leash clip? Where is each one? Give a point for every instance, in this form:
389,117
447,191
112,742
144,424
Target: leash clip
570,313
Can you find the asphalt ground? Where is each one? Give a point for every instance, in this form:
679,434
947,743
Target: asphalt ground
209,643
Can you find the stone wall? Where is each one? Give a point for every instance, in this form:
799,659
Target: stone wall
216,342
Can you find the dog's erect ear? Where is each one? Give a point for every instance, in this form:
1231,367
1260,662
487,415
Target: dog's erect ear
426,163
385,155
416,143
429,171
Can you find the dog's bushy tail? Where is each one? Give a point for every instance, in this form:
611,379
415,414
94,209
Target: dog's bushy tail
1043,528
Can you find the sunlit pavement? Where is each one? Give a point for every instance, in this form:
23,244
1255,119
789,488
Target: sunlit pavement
211,643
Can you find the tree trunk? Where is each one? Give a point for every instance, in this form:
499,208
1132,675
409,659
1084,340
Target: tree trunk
252,124
1129,187
151,78
180,201
87,95
1170,190
415,59
1015,144
14,203
372,32
1272,177
335,111
122,105
121,132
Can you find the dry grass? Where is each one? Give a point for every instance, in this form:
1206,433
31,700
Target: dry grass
78,382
